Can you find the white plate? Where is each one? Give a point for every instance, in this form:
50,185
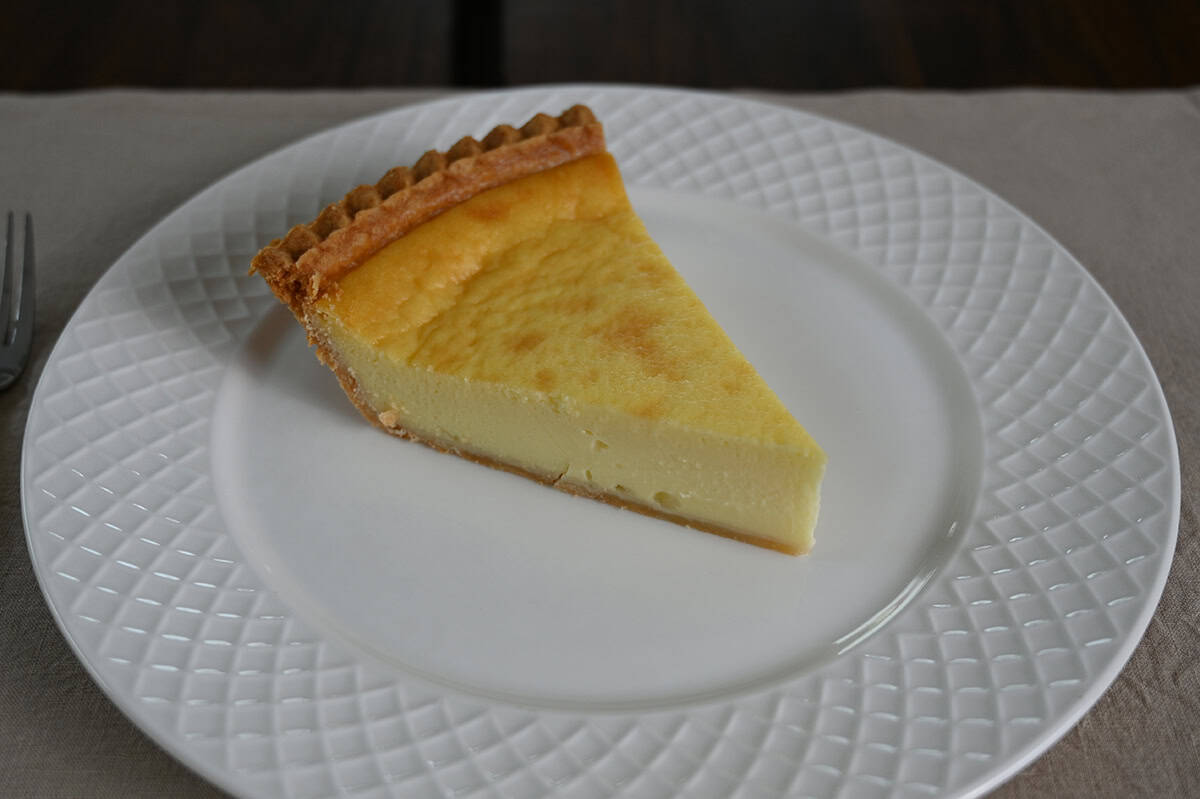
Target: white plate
338,612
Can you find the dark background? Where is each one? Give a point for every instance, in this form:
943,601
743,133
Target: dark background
772,44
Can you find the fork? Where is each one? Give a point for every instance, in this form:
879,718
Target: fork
16,335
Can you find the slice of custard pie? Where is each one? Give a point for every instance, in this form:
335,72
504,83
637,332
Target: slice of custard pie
503,302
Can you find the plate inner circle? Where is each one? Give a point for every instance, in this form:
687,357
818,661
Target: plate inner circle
501,587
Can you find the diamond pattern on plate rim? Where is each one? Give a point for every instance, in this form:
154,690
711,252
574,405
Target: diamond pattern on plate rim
1070,541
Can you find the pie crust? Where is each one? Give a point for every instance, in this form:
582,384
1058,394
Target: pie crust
302,265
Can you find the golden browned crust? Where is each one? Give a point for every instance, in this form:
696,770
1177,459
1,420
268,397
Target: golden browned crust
304,263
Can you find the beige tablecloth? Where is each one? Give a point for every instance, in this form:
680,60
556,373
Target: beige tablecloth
1114,177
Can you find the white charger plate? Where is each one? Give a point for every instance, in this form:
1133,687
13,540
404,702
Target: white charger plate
295,605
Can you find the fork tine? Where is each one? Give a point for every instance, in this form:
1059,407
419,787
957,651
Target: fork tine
23,335
14,350
7,289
